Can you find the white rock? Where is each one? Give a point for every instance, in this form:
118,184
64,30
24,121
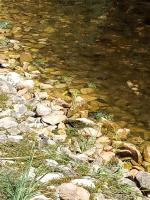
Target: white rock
39,197
15,138
51,176
14,78
29,84
54,119
8,122
84,182
41,95
51,163
42,109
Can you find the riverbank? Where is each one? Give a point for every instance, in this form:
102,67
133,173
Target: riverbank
68,155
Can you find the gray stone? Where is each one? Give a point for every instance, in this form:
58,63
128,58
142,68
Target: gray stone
8,122
53,119
13,131
144,179
20,109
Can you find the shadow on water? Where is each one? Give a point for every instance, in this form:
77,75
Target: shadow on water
94,41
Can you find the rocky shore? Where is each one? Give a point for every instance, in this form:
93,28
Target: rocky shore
76,157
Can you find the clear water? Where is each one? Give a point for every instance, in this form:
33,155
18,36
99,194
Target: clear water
94,46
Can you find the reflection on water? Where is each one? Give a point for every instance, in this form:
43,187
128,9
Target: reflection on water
109,51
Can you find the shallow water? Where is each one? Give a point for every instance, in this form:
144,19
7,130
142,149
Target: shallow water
87,45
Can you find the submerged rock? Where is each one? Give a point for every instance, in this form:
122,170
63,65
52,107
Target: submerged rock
146,152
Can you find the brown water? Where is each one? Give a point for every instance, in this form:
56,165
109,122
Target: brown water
90,46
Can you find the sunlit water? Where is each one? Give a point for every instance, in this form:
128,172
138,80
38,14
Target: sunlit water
109,53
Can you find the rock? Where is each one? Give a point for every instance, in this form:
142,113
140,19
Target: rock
144,179
8,122
14,78
25,57
59,138
39,197
42,110
51,163
29,84
69,191
107,156
103,140
6,113
20,109
81,122
99,196
41,95
51,176
91,132
7,88
13,131
84,182
53,118
122,133
44,86
125,149
87,90
146,152
14,138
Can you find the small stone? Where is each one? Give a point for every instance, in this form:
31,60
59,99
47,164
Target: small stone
91,132
14,78
99,196
84,182
103,140
51,163
122,133
41,95
107,156
44,86
25,57
13,131
8,122
59,138
69,191
54,119
51,176
42,110
7,88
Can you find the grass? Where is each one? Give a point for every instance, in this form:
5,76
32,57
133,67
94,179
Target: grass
18,187
101,114
109,183
3,100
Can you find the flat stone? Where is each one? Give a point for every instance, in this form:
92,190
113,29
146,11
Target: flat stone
14,78
54,119
69,191
8,122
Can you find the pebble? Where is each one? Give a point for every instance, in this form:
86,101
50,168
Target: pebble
51,176
54,119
